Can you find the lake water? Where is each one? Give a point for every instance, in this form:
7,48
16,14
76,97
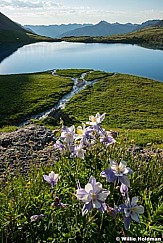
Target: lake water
122,58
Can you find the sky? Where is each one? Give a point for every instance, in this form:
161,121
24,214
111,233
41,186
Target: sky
45,12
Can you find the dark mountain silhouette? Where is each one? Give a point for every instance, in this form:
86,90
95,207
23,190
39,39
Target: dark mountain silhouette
8,24
11,32
54,30
159,24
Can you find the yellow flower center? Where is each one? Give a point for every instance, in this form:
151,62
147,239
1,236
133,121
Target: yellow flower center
93,119
93,196
118,169
79,131
133,210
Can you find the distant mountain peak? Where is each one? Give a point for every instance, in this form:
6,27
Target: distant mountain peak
102,22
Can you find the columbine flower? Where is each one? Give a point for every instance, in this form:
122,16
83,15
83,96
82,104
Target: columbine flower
131,211
119,172
84,134
36,217
52,178
78,151
107,139
80,132
112,211
60,146
124,190
95,120
58,204
68,134
93,196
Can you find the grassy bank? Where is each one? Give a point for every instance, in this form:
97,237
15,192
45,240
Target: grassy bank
130,102
148,37
23,95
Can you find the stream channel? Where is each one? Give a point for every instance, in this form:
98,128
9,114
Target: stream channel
79,84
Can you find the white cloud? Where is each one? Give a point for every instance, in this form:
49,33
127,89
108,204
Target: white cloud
52,12
28,4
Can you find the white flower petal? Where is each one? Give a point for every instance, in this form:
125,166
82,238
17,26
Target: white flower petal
103,195
98,187
134,201
113,163
88,187
135,217
96,204
127,212
139,209
47,178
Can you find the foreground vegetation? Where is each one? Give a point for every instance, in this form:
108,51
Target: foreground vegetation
36,209
33,210
148,37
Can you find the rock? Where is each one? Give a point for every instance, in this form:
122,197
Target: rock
25,145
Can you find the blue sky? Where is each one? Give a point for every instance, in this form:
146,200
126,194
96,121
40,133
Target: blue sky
81,11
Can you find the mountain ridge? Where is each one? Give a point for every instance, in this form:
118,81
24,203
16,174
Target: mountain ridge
102,28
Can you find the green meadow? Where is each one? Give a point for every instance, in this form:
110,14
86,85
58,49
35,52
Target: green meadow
27,94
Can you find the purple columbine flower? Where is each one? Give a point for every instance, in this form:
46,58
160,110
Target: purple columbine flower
78,151
119,172
58,204
131,211
36,217
59,146
93,195
68,134
52,178
124,190
107,139
112,211
96,120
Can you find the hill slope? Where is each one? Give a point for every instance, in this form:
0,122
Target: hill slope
103,28
148,37
11,32
54,30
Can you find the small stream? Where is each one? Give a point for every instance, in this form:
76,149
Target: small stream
79,84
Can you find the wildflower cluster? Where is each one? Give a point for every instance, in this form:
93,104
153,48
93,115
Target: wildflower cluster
76,142
93,195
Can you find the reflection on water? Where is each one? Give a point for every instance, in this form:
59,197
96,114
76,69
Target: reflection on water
8,49
122,58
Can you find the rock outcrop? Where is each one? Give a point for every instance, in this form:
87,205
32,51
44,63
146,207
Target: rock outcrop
29,144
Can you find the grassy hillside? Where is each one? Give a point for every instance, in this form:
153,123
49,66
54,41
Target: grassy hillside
11,36
26,94
129,101
148,37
